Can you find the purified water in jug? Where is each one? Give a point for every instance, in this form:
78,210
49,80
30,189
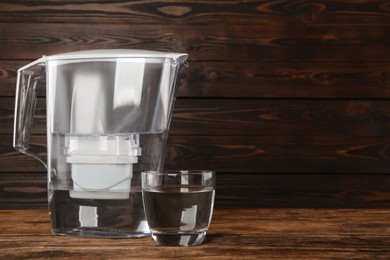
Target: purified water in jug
108,115
99,193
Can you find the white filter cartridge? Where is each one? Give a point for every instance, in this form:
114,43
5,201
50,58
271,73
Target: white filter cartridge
102,166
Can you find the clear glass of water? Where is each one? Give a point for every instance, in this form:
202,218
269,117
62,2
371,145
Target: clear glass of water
178,205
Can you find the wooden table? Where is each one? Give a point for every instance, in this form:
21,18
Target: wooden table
234,234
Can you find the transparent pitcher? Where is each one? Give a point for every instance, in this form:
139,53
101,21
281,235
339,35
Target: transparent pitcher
108,115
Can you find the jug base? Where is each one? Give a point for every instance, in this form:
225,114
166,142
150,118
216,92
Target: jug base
98,233
123,218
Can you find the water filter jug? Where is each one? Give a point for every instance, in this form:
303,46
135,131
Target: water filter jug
108,115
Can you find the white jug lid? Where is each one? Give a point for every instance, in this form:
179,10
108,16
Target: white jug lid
108,54
117,53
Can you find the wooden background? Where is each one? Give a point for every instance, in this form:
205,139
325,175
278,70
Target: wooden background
288,101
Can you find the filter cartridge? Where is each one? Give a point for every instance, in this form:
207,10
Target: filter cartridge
102,166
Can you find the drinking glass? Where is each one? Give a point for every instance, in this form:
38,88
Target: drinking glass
178,205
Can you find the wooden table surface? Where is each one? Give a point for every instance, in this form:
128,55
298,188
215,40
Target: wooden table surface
234,234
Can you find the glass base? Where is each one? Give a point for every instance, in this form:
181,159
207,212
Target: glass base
179,238
98,233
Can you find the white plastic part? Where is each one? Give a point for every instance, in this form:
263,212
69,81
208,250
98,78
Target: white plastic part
108,54
101,166
117,53
88,216
102,145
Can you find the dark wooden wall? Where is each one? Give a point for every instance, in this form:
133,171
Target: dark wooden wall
289,101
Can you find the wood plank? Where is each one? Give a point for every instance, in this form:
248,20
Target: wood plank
286,80
23,190
262,80
247,154
280,154
314,190
241,117
255,117
237,233
239,190
199,12
235,43
8,74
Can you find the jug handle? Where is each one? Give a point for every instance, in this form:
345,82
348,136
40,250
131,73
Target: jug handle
27,82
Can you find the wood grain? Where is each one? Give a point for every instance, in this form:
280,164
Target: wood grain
247,154
313,190
280,154
261,80
255,117
235,43
23,190
286,99
198,12
238,233
281,117
286,80
240,190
